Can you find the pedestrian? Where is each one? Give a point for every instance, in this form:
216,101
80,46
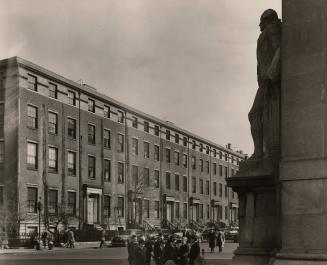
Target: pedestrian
220,240
182,253
212,240
149,249
131,248
157,251
44,239
169,251
140,253
194,251
71,238
103,238
4,241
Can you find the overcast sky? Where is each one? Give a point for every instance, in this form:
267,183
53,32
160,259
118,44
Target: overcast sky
191,62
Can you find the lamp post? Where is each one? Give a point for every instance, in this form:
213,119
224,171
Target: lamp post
39,208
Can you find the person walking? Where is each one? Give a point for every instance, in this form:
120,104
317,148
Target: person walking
140,253
182,253
103,238
220,240
131,248
169,251
71,238
149,249
212,240
157,251
194,251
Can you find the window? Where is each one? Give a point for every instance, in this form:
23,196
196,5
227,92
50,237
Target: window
201,165
168,180
226,191
146,126
156,179
220,170
52,90
185,160
120,116
168,135
176,138
226,172
184,184
185,210
156,130
1,196
208,211
32,155
71,98
214,168
177,210
185,141
71,128
32,120
226,212
201,147
71,163
91,133
207,167
106,112
233,171
106,206
201,210
193,144
193,185
214,152
32,82
53,201
220,155
135,175
193,162
134,122
107,170
91,105
215,188
207,187
201,186
120,143
146,177
157,209
207,150
156,153
176,158
106,139
176,182
167,155
147,208
53,159
91,167
31,200
120,207
2,152
53,122
135,147
146,146
233,194
71,203
121,172
226,157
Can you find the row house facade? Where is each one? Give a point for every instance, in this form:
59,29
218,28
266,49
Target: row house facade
70,154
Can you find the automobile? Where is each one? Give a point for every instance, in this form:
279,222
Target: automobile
118,241
232,235
126,234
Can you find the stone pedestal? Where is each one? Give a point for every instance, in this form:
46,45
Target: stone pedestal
256,185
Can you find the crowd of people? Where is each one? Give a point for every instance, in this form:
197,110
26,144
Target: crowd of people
169,250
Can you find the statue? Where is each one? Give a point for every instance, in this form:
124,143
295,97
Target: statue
264,114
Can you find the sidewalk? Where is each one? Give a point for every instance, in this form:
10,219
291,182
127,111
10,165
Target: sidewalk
78,245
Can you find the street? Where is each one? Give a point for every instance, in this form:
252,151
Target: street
81,256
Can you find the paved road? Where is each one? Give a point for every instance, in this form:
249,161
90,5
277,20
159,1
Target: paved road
95,256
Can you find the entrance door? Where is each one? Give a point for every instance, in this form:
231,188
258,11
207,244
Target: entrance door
195,212
90,210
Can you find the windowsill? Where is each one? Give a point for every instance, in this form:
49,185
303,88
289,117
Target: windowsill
32,168
107,181
120,183
53,171
32,128
71,138
91,178
55,134
74,175
91,143
107,148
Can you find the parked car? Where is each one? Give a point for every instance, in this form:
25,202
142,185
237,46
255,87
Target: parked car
118,241
126,234
232,235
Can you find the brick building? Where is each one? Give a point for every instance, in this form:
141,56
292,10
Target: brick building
85,158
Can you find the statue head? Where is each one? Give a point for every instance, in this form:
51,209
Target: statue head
268,16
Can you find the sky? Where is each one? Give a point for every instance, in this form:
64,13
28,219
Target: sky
190,62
